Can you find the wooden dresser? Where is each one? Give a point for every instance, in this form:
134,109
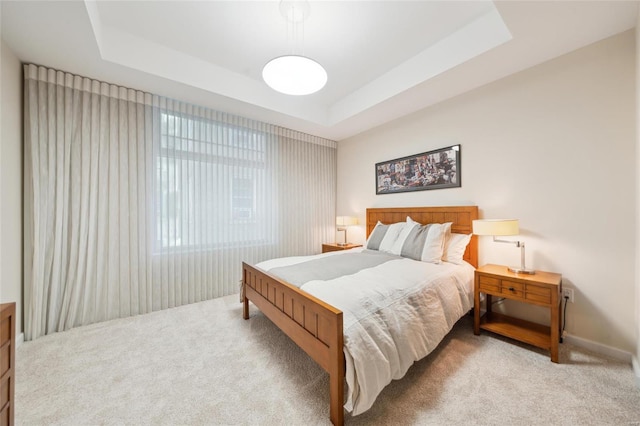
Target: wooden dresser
7,362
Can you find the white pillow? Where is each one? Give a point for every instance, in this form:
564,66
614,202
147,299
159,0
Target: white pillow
393,232
455,247
409,220
434,245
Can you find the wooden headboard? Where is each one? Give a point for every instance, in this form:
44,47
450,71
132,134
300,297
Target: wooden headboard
460,216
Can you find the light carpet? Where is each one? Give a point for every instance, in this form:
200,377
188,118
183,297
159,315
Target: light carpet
202,364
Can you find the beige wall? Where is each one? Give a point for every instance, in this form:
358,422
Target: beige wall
553,146
11,181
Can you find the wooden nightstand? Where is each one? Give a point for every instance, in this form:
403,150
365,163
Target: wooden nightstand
335,247
541,288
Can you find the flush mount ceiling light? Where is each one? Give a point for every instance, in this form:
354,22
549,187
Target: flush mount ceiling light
294,74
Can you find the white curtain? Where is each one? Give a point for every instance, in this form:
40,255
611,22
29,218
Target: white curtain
136,203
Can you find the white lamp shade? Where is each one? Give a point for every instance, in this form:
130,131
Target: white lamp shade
496,227
346,220
294,75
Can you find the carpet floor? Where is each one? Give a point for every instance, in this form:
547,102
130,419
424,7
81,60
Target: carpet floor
202,364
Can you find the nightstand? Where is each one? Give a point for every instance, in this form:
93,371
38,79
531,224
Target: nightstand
541,289
335,247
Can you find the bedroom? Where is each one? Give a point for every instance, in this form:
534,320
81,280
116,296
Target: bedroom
542,133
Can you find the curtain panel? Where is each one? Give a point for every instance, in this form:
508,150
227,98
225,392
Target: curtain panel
136,203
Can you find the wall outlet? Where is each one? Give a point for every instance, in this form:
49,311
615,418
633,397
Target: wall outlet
567,292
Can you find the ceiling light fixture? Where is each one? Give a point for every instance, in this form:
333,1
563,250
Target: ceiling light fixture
294,74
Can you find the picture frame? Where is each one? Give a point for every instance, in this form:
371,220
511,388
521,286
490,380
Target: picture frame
437,169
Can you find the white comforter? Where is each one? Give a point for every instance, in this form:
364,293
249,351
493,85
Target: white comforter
394,314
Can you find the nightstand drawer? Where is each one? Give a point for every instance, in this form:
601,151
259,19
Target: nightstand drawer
489,284
512,288
538,293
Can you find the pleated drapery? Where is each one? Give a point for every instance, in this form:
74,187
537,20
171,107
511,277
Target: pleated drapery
136,203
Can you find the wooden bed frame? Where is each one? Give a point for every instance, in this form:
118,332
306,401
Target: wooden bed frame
316,326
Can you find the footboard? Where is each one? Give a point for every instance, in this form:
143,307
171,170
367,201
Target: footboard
314,325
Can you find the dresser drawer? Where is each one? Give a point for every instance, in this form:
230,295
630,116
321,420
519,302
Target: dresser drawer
512,288
538,293
5,330
489,284
4,392
5,415
5,359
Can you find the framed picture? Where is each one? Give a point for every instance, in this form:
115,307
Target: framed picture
430,170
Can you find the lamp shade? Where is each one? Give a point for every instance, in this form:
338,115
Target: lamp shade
346,220
496,227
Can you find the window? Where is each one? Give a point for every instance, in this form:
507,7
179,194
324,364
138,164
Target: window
207,175
243,202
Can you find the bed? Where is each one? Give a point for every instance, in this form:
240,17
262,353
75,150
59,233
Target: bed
317,326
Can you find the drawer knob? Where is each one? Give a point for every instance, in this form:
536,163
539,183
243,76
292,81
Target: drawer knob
512,289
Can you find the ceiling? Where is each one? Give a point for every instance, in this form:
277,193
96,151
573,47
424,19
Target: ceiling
385,59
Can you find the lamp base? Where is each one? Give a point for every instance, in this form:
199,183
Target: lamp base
519,270
342,244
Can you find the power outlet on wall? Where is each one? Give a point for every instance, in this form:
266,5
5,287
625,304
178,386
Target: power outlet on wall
567,292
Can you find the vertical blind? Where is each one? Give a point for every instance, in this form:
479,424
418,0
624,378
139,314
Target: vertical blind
135,202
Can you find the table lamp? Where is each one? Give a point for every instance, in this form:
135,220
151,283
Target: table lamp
503,227
343,222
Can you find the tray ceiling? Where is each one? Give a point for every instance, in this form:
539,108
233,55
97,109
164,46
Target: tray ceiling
384,59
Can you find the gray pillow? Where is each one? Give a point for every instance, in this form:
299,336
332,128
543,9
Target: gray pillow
376,237
414,244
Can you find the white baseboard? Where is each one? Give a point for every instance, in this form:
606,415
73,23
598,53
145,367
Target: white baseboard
636,370
19,339
599,348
